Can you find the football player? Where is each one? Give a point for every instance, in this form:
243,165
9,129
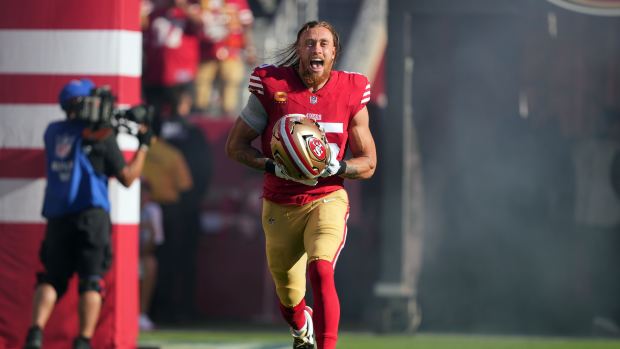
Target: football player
305,220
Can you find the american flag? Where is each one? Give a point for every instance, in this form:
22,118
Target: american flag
43,45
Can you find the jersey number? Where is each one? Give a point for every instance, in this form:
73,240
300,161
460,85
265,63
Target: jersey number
166,33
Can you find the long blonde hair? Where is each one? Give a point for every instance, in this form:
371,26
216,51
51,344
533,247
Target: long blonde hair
288,56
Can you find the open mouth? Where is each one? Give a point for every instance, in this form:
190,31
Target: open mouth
316,64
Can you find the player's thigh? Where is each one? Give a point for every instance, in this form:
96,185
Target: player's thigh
207,71
94,256
233,71
283,226
325,233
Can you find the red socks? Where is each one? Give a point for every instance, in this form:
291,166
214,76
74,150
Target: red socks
326,305
295,315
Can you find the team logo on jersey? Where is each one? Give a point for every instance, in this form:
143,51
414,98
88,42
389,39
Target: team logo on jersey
280,97
317,148
63,146
314,99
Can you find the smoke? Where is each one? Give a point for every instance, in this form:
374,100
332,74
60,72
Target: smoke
498,256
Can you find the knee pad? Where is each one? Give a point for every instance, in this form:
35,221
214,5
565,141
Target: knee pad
58,283
90,283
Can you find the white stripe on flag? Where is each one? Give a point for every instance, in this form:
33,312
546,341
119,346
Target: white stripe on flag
26,123
92,52
125,202
127,142
23,126
21,201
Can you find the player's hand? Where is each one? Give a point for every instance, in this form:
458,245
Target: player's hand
281,173
335,167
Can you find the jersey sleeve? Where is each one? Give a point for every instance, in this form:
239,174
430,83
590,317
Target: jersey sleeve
264,80
254,114
360,95
255,85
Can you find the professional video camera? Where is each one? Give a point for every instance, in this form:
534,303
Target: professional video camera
99,110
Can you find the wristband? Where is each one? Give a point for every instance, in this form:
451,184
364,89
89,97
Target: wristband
144,147
343,167
270,167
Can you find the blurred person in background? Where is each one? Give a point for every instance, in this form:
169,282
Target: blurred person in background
151,237
167,172
305,222
181,247
224,46
77,237
170,39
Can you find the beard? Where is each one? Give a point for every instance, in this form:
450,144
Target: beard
311,78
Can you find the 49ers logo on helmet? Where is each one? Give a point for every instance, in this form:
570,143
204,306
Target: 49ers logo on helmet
317,148
299,146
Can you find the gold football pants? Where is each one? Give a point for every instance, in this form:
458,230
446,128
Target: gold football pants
231,72
296,234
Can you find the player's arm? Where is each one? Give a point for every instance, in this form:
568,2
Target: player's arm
239,146
362,146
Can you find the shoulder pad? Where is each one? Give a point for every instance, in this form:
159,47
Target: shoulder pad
265,76
358,80
360,83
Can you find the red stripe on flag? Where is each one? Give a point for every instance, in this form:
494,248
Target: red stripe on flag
19,258
22,163
30,163
83,14
128,155
44,89
117,322
19,261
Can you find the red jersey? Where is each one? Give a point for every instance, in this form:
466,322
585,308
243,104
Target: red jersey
171,48
281,91
223,33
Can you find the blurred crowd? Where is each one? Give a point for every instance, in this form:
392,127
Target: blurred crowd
195,55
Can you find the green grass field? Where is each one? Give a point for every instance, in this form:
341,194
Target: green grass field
185,339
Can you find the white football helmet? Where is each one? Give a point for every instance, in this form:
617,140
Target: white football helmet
299,146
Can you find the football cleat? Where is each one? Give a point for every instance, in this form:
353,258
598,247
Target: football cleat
299,146
304,338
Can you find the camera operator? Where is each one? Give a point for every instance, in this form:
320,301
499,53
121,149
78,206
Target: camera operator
81,154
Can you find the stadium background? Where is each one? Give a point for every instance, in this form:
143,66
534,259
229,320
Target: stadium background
468,224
